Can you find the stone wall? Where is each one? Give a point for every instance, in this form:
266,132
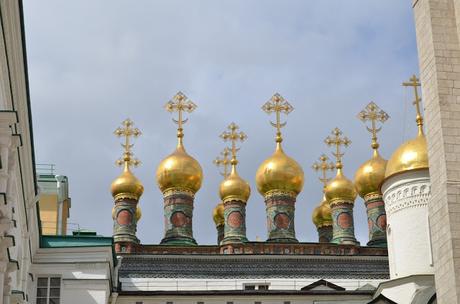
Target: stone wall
437,28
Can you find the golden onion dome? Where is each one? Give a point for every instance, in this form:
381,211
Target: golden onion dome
179,171
322,214
127,185
340,188
218,214
279,172
234,188
370,175
411,155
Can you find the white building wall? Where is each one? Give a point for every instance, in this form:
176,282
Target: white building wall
406,197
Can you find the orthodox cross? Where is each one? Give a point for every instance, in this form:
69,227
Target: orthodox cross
324,165
278,105
180,103
373,114
415,83
234,136
337,141
224,161
127,131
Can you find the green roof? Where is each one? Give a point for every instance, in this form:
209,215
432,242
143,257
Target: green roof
64,241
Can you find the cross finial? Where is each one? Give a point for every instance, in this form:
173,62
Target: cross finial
373,114
324,165
337,141
127,131
415,83
224,161
234,136
180,103
278,105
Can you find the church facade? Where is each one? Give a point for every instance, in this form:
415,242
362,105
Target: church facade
411,199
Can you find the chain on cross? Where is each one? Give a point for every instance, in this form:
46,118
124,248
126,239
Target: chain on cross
415,83
375,115
180,103
127,131
234,136
223,162
278,105
324,165
337,140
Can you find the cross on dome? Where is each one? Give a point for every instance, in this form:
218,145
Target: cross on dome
180,103
324,165
234,136
224,161
415,83
337,141
127,131
278,105
373,114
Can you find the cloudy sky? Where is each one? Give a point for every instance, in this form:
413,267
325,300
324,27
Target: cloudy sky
94,63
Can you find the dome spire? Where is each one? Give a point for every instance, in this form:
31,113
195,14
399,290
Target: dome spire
179,177
127,131
373,114
223,162
322,213
341,194
126,191
415,83
278,105
324,165
337,141
234,192
233,136
180,104
370,175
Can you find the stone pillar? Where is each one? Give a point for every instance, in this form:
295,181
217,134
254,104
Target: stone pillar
178,214
343,230
125,225
280,208
235,222
437,25
376,219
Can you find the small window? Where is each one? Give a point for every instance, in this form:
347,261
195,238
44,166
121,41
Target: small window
257,302
249,287
139,302
229,302
48,290
169,302
199,302
263,287
287,302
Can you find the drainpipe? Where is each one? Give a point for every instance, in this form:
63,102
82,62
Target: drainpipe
60,194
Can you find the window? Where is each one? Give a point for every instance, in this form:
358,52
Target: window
257,302
263,287
169,303
199,302
229,302
287,302
249,287
48,290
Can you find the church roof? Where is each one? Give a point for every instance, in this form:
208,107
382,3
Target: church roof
253,266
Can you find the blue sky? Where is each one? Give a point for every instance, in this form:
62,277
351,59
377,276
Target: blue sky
94,63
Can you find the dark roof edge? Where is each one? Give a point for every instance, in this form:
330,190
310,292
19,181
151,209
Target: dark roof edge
245,292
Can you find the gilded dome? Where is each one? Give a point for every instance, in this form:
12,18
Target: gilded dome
279,172
127,186
322,214
179,171
411,155
370,175
218,214
340,188
233,187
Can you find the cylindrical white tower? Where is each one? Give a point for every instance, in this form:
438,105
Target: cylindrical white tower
406,193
